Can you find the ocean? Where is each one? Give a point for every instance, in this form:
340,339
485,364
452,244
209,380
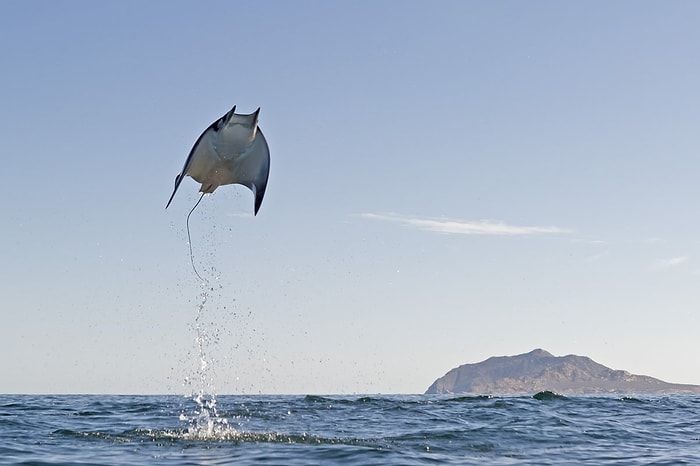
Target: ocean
362,430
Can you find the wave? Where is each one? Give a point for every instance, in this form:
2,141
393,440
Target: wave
547,395
223,435
468,398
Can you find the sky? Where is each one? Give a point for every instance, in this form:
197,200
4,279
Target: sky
449,181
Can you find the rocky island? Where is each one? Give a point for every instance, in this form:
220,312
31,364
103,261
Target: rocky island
539,371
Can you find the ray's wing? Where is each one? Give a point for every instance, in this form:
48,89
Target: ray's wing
178,179
253,169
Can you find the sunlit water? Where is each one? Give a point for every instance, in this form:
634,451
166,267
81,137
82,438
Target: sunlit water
363,430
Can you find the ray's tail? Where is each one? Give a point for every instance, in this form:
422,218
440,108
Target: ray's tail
189,238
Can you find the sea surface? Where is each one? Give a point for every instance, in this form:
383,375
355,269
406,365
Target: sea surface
362,430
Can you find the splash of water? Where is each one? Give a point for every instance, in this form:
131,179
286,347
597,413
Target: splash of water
204,422
214,309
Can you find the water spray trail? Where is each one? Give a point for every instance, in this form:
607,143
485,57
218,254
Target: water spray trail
205,421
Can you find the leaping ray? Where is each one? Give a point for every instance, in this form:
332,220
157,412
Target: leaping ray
232,150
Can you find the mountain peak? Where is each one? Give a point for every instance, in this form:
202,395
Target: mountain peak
539,370
540,353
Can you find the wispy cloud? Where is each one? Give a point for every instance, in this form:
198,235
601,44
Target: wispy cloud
672,262
589,241
462,227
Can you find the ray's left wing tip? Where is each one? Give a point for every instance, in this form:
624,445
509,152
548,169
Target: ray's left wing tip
178,178
171,198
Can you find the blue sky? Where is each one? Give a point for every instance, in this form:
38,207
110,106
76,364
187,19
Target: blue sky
449,181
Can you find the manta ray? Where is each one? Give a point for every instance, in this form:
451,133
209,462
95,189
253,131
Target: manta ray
232,150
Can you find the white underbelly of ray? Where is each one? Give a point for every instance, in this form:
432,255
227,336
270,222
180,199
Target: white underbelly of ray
232,150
